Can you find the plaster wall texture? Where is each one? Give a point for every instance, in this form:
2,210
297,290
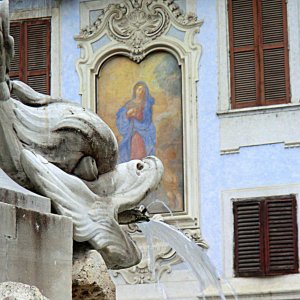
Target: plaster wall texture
252,167
36,249
209,158
31,4
70,26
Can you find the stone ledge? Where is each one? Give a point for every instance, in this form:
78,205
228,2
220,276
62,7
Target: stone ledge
13,193
41,252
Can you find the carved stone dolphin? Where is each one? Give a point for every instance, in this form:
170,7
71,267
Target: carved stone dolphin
95,206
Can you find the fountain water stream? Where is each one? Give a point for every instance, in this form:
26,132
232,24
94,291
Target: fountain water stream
191,253
155,202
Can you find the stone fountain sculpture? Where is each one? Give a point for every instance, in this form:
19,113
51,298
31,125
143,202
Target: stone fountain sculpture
68,154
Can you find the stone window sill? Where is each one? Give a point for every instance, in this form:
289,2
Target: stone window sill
259,126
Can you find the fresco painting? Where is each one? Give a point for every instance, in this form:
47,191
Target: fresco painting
142,103
134,123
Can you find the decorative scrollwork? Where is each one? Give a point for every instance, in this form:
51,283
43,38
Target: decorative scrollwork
137,22
195,235
139,25
142,273
188,19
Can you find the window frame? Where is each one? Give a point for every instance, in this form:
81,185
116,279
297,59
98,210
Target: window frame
258,48
258,125
55,50
251,287
264,220
24,73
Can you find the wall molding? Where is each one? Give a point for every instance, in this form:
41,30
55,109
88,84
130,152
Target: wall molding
165,28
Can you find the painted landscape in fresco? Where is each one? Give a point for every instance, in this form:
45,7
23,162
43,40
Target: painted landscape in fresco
142,103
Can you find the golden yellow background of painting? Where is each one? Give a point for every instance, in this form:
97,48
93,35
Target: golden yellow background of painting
162,74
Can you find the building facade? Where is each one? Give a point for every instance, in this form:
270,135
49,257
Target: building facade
239,109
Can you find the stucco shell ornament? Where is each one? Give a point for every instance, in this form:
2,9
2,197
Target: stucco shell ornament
136,23
68,154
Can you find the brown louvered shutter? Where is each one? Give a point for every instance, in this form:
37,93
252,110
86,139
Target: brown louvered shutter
15,66
248,238
265,236
274,52
243,53
258,52
281,236
32,39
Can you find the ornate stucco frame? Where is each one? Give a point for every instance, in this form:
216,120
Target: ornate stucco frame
172,32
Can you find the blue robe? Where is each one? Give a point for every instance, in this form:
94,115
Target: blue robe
128,126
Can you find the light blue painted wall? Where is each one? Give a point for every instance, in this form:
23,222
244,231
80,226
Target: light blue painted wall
31,4
264,165
209,157
70,26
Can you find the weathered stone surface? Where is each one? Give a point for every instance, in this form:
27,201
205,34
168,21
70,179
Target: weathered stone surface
90,276
8,226
94,206
39,253
13,193
19,291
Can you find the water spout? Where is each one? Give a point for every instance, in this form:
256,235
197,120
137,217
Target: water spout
190,252
155,202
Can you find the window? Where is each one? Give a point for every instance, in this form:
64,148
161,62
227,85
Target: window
265,236
258,52
31,63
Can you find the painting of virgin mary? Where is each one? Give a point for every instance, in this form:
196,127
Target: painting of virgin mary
134,123
142,104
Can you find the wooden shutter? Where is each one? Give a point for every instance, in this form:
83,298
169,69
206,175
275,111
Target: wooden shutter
32,47
274,52
37,35
281,236
265,236
15,66
243,53
258,52
248,238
